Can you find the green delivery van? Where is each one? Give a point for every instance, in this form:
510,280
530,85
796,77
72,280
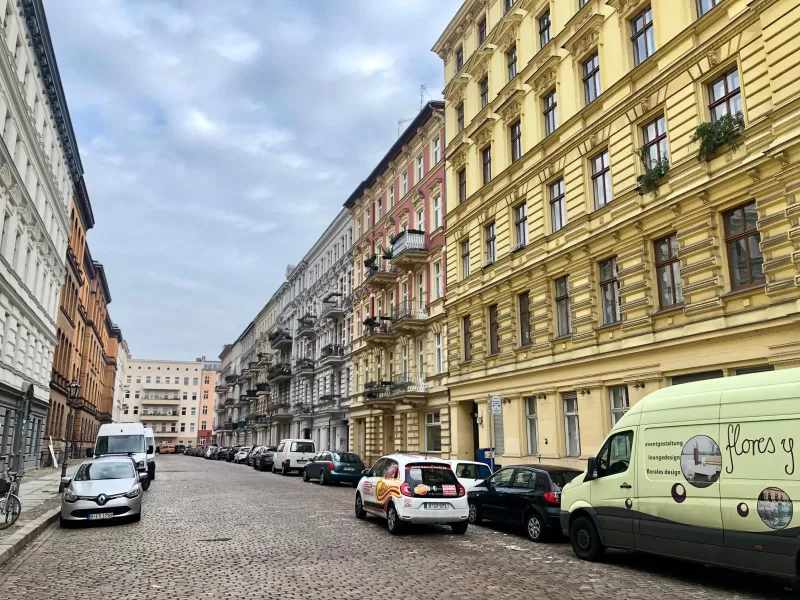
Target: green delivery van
705,471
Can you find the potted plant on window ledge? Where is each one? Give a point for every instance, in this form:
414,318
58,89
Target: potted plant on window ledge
654,171
717,134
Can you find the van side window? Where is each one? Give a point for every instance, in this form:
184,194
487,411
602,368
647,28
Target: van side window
280,447
615,456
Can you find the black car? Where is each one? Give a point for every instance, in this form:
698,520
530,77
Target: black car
222,453
522,495
179,448
250,461
264,460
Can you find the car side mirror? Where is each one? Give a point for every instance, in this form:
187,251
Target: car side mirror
150,450
365,473
591,469
65,481
89,453
142,476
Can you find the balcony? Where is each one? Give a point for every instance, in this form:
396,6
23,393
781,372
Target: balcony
221,389
159,416
409,389
332,308
231,378
282,411
220,408
332,354
379,330
301,408
165,433
305,326
230,402
377,392
241,424
227,426
252,393
378,272
262,388
409,249
304,367
168,401
409,316
264,359
242,402
280,340
280,372
253,366
328,400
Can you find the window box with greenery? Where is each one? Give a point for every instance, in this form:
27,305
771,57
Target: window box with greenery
722,132
654,171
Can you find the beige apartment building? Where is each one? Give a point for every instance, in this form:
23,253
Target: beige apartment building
623,211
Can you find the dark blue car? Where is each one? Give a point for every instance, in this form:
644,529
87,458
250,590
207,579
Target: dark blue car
339,467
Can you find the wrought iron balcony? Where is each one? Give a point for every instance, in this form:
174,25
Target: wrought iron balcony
332,354
253,366
280,340
328,400
227,425
331,309
409,249
231,378
374,390
379,330
301,408
304,366
221,389
409,386
305,326
220,408
409,315
280,372
230,401
159,415
262,387
378,272
252,393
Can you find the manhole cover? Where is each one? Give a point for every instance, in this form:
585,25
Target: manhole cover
218,540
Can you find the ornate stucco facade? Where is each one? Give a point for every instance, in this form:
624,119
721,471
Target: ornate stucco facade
604,260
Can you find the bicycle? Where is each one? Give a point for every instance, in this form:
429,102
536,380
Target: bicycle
10,506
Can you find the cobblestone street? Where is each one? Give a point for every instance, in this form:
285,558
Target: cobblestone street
220,530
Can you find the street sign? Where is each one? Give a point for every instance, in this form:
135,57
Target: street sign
496,405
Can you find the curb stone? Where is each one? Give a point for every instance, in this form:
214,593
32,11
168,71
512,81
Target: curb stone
14,543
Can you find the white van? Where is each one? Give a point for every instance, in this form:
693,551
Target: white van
469,472
150,443
123,438
292,455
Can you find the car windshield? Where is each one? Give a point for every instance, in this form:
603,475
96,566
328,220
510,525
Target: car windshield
271,448
429,474
562,478
244,449
346,457
113,444
94,471
302,447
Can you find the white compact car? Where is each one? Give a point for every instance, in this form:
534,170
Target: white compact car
407,488
292,455
469,472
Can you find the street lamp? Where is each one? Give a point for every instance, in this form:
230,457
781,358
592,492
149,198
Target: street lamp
74,387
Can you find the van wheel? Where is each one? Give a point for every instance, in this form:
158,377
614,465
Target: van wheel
474,514
361,514
393,522
585,540
534,527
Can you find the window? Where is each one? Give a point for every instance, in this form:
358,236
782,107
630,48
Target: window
420,360
183,411
601,180
550,113
183,427
508,5
207,380
391,195
158,379
615,455
591,78
125,410
138,379
147,379
486,160
194,411
466,323
438,343
185,396
524,301
405,183
136,410
459,58
205,395
643,35
511,62
465,259
420,168
205,410
544,29
582,3
186,381
481,31
421,220
494,330
484,88
460,117
437,212
433,432
437,156
532,425
515,134
136,395
558,205
437,280
618,396
654,135
563,308
725,96
668,272
490,243
194,395
609,291
378,208
521,225
744,254
462,186
571,425
703,6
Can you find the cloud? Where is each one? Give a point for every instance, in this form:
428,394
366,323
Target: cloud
219,140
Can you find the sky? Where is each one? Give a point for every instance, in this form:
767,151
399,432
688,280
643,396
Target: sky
219,139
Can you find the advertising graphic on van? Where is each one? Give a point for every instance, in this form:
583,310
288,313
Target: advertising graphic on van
775,508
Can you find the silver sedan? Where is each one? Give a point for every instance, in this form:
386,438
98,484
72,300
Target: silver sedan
105,488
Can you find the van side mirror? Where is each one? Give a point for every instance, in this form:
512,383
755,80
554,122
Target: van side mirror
591,469
89,453
149,449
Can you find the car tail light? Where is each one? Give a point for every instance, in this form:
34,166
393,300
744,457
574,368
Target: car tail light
553,497
405,489
332,466
461,490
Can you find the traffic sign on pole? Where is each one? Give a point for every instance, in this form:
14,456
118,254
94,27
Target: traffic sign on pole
496,405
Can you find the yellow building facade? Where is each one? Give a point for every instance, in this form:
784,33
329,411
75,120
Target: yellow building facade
622,209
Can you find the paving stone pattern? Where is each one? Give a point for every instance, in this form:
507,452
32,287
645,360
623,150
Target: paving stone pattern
218,530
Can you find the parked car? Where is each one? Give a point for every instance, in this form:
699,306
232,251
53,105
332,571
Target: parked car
241,454
251,457
231,453
211,451
405,489
222,453
167,449
179,448
292,455
522,495
334,467
470,472
108,487
265,459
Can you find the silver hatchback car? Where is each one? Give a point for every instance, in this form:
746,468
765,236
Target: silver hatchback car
105,488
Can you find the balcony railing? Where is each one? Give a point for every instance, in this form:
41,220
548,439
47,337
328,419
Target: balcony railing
376,389
328,400
253,366
408,384
410,310
301,408
305,326
379,328
409,246
304,366
280,339
252,393
378,271
231,378
280,371
230,401
331,309
262,387
221,389
332,353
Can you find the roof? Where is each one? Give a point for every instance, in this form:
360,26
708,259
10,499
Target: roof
84,206
396,149
101,276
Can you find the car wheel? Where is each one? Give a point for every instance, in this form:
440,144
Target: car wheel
146,484
393,522
137,517
273,468
474,514
459,528
361,514
322,480
305,475
284,470
534,527
63,523
585,540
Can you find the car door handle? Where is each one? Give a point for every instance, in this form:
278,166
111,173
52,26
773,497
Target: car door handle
625,486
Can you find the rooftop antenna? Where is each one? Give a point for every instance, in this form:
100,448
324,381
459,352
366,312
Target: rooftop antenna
401,123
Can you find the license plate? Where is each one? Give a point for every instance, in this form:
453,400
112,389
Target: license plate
436,506
99,516
301,461
349,468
